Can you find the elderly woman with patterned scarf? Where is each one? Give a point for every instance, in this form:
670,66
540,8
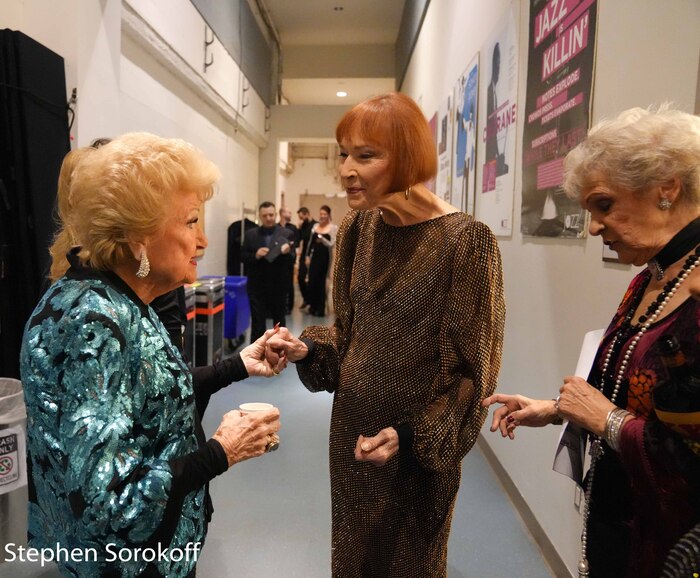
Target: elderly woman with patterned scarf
639,177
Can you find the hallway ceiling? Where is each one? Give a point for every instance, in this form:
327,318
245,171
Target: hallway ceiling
322,23
318,22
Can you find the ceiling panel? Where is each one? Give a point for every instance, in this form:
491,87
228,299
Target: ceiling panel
315,22
322,90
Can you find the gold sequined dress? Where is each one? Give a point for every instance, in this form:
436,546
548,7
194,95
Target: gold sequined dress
416,345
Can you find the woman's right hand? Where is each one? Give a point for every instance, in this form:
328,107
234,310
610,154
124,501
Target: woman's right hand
255,360
284,344
246,436
519,410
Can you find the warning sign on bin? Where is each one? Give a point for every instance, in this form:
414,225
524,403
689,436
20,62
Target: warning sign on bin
9,472
12,456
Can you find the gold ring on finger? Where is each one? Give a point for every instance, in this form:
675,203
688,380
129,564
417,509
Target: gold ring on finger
273,443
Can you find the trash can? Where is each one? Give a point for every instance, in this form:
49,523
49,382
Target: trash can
209,320
189,335
237,307
13,464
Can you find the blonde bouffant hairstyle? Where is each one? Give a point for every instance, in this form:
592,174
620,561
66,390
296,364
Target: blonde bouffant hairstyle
65,237
394,122
640,148
121,192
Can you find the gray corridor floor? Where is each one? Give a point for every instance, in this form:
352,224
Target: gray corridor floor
272,514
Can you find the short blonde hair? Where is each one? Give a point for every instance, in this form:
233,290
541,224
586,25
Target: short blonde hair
394,122
639,149
121,191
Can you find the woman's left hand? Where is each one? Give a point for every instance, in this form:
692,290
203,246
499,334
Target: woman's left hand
584,405
379,449
255,361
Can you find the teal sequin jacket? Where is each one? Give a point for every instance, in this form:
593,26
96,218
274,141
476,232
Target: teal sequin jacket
116,453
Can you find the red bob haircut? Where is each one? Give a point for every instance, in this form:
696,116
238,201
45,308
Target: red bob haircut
395,123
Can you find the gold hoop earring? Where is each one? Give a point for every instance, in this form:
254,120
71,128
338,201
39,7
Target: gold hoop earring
407,192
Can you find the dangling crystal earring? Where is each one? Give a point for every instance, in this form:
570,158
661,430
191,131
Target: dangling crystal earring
665,204
144,266
407,192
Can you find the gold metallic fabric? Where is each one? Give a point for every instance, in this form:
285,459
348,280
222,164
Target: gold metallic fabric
418,341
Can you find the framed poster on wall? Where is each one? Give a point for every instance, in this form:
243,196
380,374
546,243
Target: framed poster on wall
498,96
444,144
433,130
557,112
465,116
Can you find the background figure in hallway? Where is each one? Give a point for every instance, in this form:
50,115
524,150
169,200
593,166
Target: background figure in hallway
415,347
264,251
318,259
286,222
306,222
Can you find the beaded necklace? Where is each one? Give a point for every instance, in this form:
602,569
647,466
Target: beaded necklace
645,322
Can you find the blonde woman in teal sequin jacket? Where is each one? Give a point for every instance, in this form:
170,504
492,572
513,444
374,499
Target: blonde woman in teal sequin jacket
118,459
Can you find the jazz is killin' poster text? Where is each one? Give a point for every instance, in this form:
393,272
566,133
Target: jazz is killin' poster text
498,94
557,112
464,162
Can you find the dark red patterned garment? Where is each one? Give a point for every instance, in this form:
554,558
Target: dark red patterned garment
416,344
648,495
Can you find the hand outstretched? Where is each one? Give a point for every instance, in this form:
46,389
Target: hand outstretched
519,410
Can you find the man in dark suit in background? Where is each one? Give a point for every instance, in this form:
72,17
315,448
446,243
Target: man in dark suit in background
263,252
306,223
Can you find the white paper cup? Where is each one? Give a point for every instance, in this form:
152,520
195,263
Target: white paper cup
254,406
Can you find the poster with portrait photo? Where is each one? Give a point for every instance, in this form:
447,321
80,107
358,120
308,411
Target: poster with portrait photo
444,146
497,122
557,112
433,130
465,116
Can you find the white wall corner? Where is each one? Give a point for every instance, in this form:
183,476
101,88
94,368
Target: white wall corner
136,27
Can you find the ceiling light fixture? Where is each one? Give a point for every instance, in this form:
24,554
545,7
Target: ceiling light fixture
341,94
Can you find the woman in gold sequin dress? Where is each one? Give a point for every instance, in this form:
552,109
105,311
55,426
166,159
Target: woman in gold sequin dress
415,347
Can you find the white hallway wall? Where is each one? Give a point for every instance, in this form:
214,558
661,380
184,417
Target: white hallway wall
124,87
556,290
295,123
310,177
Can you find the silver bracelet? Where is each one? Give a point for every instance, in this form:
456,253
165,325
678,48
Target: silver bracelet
557,419
613,427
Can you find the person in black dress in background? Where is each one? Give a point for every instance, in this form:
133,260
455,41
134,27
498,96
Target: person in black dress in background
306,223
318,259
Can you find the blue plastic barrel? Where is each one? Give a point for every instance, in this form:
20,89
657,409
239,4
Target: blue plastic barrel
236,307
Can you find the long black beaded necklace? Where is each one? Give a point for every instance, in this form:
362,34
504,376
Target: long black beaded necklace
645,322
